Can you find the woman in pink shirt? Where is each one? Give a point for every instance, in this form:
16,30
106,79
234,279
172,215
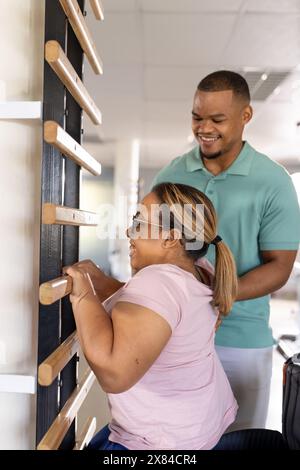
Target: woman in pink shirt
151,343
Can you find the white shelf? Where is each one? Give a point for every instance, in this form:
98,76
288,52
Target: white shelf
10,383
21,110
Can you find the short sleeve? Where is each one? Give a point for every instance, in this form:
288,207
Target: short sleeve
280,225
158,288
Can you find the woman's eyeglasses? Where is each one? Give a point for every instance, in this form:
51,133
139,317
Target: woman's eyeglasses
136,226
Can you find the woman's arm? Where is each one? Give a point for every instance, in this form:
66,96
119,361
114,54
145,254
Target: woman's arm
119,349
104,285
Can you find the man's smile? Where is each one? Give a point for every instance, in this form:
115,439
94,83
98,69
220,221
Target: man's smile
208,139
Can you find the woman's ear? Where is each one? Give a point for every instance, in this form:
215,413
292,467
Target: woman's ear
172,238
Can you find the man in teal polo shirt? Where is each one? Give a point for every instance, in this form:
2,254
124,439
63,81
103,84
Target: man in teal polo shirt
259,219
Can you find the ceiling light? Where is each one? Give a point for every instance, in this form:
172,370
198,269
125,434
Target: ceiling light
250,69
264,77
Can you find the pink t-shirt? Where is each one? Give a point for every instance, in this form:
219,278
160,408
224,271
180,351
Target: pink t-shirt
184,401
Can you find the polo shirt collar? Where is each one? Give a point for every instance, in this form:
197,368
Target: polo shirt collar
240,166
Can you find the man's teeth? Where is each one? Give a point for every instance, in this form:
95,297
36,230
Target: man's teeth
209,139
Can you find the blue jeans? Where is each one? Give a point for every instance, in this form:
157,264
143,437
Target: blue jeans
101,442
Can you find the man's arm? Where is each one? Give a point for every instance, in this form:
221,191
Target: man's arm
269,277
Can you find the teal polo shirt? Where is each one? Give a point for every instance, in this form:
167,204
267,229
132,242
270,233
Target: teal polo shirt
257,210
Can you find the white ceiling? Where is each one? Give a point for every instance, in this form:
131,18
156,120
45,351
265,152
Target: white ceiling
156,51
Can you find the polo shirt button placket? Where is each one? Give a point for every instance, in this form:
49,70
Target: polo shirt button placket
210,191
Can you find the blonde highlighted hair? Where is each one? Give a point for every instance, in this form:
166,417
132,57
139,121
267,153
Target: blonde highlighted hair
181,195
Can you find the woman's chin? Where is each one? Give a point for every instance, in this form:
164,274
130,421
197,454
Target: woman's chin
134,269
133,263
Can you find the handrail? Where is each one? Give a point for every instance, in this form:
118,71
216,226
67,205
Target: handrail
15,383
21,110
63,68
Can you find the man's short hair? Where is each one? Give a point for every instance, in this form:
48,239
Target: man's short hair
226,80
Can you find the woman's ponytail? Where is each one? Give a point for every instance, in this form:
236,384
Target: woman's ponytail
225,283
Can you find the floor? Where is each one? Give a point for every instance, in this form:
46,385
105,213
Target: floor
284,319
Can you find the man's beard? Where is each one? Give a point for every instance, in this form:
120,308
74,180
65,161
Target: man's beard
212,156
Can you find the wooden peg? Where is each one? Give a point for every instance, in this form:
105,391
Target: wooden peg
86,434
56,433
55,362
63,68
97,9
51,291
59,138
61,215
76,19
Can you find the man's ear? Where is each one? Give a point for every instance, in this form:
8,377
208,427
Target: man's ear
247,114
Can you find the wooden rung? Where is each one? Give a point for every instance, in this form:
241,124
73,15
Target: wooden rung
76,19
63,68
56,136
59,428
97,9
54,290
55,362
62,215
88,431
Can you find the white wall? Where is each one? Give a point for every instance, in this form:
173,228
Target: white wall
94,191
21,76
